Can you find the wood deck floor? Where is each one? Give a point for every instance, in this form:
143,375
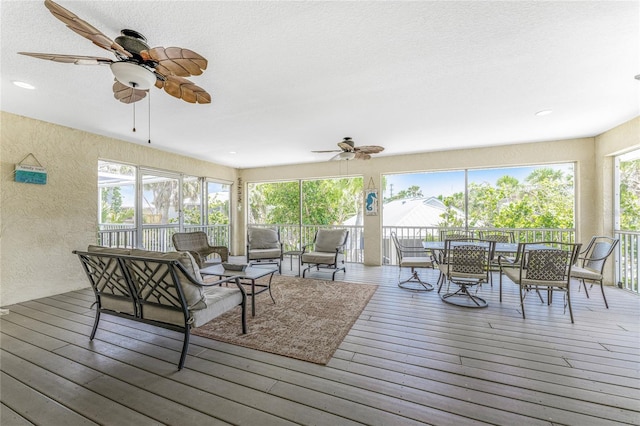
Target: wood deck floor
409,359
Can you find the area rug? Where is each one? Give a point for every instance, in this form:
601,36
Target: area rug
308,321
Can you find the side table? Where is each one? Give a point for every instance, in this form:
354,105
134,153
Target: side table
291,254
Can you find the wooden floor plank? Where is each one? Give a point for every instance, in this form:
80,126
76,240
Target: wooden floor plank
409,359
8,417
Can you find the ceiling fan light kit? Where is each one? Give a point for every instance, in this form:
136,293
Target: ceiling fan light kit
344,156
133,75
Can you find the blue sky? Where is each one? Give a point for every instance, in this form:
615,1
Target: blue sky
447,183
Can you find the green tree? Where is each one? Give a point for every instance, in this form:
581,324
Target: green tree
325,201
413,191
630,195
543,200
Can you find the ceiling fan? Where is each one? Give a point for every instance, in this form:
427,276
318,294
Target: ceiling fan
138,67
348,151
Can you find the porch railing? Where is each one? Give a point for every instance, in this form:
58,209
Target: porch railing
415,235
626,260
157,237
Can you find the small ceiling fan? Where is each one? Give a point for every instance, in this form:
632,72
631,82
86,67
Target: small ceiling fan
348,151
138,67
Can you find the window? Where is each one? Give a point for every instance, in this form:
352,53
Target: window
300,207
538,200
117,204
627,220
142,207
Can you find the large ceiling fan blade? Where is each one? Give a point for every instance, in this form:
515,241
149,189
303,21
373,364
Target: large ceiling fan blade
85,29
369,149
362,156
176,61
69,59
126,94
184,89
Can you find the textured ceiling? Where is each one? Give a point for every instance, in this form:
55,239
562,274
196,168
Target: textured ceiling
291,77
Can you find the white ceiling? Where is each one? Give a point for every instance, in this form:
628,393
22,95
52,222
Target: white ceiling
291,77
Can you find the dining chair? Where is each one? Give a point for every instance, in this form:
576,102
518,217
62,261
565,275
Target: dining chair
466,265
412,257
591,262
547,268
498,237
448,234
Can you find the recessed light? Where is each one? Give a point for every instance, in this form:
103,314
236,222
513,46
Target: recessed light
23,85
543,112
232,152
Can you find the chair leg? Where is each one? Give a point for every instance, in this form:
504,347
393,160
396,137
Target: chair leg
185,346
522,301
603,296
243,312
441,280
95,324
584,284
569,303
415,278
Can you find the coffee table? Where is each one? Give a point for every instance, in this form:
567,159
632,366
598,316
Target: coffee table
247,277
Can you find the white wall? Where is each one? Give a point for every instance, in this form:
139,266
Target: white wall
580,151
41,224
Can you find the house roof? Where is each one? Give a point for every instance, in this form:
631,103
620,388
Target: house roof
287,78
410,212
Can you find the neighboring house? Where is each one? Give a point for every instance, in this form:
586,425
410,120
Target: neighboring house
407,213
410,212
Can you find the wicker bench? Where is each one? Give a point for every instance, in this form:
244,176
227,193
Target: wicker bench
163,289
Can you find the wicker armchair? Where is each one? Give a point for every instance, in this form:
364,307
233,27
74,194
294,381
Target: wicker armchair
197,244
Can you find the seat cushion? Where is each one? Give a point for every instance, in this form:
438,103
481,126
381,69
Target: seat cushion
263,238
514,275
321,258
416,262
585,273
329,239
217,301
264,254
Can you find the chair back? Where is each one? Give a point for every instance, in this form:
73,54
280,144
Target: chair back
548,266
263,238
455,234
330,240
498,236
190,241
396,244
597,252
468,258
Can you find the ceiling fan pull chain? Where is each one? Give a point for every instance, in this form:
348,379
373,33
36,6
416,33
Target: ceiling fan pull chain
149,99
134,107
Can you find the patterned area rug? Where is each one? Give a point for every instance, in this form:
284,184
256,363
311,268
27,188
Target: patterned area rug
308,321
